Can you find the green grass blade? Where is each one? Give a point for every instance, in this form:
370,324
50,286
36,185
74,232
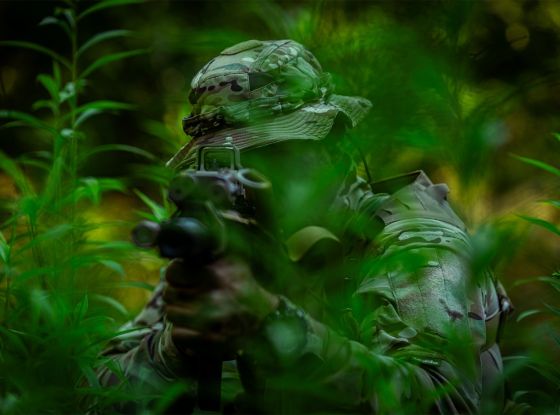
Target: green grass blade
37,48
539,164
114,57
50,85
28,120
100,37
12,169
542,223
50,20
158,211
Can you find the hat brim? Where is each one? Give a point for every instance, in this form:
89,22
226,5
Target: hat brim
312,121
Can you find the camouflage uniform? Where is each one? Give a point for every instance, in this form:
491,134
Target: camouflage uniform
396,340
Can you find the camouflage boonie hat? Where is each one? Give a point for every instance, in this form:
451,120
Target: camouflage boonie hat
258,93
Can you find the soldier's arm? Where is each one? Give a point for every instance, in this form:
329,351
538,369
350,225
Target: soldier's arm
417,319
143,360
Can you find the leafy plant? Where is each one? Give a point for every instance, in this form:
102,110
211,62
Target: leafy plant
51,328
546,330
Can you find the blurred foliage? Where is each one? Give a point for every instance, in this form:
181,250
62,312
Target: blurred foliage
91,97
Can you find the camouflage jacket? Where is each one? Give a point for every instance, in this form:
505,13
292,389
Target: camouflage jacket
416,338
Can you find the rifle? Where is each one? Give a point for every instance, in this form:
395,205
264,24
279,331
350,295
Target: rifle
220,206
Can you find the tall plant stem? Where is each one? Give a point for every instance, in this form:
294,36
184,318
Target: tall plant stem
73,153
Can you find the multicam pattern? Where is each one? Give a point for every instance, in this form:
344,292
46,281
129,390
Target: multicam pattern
406,315
256,84
253,79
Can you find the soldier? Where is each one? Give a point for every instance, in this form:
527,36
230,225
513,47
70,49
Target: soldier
380,309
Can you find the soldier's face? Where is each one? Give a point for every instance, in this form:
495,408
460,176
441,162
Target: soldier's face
303,178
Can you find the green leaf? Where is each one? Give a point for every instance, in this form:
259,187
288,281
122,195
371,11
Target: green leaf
12,169
553,281
105,105
50,85
97,107
540,164
527,313
69,14
135,284
111,58
105,5
30,206
67,92
48,236
111,302
113,265
157,210
91,184
100,37
37,48
81,308
56,74
119,147
4,249
86,115
555,203
28,120
542,223
44,103
50,20
36,163
555,310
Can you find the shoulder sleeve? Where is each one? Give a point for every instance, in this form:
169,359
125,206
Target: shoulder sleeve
426,302
414,326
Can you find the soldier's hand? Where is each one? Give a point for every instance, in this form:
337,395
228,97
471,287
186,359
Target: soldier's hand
215,304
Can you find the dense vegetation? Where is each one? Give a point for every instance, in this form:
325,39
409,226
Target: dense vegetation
91,97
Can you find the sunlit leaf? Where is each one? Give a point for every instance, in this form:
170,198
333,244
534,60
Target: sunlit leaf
135,284
542,223
4,249
93,188
113,265
111,302
104,60
100,37
555,203
158,211
527,313
38,48
540,164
